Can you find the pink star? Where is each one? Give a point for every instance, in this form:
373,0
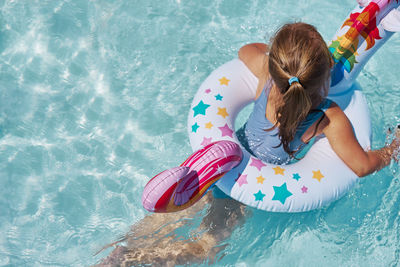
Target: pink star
242,179
206,141
257,163
225,130
207,91
304,189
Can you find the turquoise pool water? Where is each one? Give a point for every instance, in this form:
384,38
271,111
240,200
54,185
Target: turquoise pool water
93,102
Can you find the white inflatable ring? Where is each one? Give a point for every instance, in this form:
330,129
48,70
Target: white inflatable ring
321,176
317,179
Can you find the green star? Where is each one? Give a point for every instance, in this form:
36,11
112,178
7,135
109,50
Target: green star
259,196
200,108
195,127
281,193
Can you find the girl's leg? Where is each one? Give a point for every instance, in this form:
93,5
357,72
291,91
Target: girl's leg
156,240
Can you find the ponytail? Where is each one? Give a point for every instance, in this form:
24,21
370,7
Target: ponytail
296,105
299,64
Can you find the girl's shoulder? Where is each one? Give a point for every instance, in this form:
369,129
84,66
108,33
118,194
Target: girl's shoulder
332,110
333,113
336,121
255,57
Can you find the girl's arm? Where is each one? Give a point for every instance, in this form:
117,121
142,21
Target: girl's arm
339,132
255,57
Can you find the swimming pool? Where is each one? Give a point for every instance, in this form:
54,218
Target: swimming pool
94,99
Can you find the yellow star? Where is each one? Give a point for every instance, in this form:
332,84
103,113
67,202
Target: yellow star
317,175
224,80
209,125
260,179
278,170
222,112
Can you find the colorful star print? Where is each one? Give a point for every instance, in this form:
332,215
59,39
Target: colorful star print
223,81
225,130
218,97
317,175
296,176
260,179
206,141
207,91
278,170
195,127
257,163
200,108
281,193
222,112
209,125
259,196
242,179
304,189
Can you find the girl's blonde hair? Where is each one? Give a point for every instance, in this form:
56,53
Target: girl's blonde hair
298,50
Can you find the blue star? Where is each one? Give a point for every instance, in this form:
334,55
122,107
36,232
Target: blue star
296,176
259,196
281,193
195,127
200,108
218,97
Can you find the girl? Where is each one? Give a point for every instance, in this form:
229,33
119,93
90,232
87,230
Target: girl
291,105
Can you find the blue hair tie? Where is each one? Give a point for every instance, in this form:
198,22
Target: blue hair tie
293,79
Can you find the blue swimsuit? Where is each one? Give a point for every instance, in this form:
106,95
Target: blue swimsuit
265,145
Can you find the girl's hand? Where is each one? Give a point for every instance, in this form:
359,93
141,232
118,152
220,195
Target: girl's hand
395,145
